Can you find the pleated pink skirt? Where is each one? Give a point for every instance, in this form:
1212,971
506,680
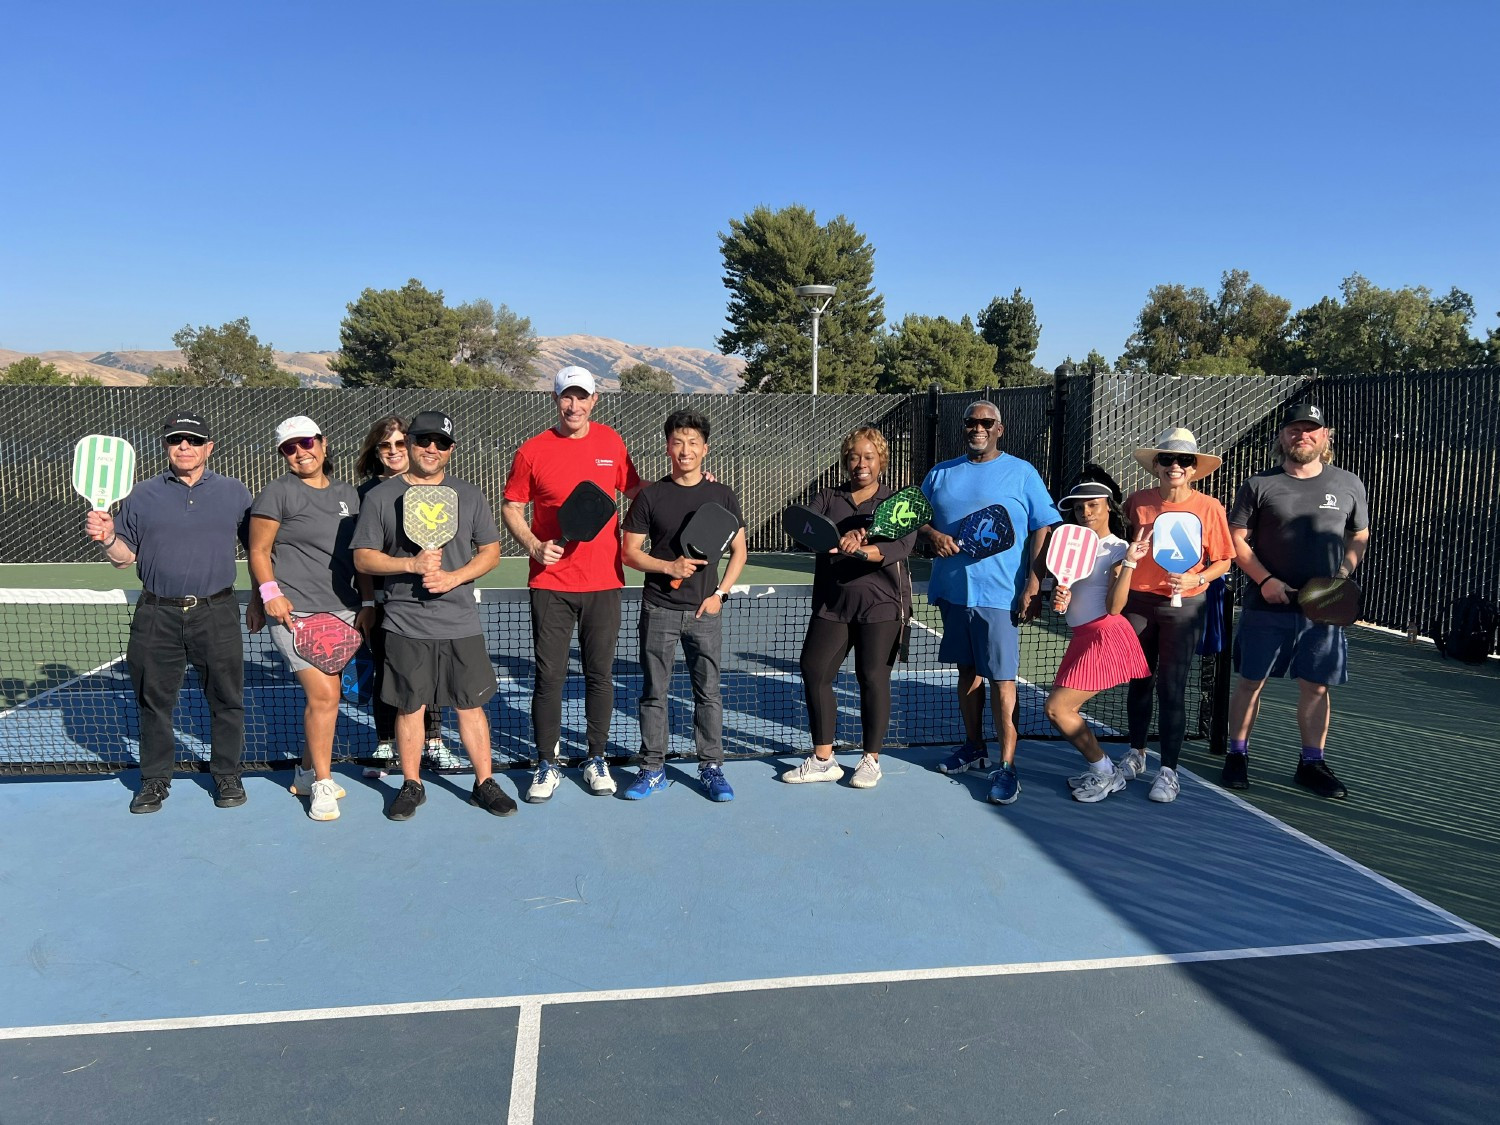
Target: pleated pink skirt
1102,654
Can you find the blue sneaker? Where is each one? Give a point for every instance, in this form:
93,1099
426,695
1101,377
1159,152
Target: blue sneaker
646,783
966,757
711,774
1005,787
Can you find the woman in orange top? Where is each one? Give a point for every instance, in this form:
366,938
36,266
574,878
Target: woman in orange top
1169,635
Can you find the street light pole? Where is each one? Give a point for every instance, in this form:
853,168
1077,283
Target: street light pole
818,298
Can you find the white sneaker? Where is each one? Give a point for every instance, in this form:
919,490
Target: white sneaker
812,768
1097,786
1132,764
596,773
325,800
1166,786
386,760
867,773
439,759
544,783
303,781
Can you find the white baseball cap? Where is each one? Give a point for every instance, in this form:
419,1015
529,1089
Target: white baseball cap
297,427
574,377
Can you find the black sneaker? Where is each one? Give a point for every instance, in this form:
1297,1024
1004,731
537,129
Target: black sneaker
411,797
154,790
492,799
228,792
1316,775
1236,771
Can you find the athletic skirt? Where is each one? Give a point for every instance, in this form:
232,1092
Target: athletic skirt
1103,653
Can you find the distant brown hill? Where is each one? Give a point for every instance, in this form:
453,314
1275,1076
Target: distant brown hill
692,369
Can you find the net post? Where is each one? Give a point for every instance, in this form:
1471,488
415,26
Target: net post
1218,727
932,428
1059,415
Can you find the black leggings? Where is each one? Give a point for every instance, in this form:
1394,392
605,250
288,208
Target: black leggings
827,643
1169,638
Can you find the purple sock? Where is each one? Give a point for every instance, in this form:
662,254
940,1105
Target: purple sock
1239,746
1312,753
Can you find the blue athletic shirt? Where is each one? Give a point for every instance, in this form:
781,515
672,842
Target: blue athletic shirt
959,487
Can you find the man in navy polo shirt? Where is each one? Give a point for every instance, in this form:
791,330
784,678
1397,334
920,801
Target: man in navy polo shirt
180,529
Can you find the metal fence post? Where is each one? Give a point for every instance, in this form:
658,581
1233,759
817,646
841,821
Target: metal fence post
1059,414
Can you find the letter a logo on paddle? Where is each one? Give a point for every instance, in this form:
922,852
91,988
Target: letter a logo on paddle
1177,541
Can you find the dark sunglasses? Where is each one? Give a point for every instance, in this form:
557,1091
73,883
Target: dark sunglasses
291,445
982,423
391,446
442,441
1186,460
191,439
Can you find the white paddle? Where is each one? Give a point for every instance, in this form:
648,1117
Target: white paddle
1177,544
103,470
1071,553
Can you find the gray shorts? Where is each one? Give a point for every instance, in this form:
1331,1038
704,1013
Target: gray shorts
282,638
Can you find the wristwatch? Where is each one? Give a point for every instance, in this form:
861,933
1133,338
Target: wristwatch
723,595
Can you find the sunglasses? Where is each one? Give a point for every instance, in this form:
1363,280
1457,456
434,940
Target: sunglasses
192,439
982,423
1167,460
391,446
442,441
293,444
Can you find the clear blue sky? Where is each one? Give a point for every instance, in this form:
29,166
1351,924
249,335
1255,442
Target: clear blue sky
172,164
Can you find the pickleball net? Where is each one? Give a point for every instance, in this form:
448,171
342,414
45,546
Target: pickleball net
66,703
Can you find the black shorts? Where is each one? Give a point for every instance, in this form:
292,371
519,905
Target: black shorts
447,673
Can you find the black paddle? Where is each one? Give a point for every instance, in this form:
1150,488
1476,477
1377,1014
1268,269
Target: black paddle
708,534
810,529
1329,601
585,513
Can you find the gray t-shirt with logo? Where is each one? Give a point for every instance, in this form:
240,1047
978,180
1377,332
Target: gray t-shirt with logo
1298,525
410,609
311,558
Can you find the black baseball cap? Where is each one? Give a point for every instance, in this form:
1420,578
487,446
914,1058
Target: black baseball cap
431,422
1304,412
186,422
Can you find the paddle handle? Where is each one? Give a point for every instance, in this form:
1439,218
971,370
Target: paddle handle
1176,600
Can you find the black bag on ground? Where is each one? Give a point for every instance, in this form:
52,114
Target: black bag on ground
1465,629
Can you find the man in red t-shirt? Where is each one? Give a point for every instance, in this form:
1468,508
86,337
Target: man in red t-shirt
574,584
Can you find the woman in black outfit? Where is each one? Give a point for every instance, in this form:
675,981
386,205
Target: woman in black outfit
858,603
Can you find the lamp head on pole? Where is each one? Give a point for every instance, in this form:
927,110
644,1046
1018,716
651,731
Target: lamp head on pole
817,297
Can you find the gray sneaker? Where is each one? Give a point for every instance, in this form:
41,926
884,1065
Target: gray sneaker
1097,786
812,768
439,759
1132,764
302,785
596,773
544,783
386,761
867,773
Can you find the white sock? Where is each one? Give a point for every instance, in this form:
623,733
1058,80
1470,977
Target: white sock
1103,766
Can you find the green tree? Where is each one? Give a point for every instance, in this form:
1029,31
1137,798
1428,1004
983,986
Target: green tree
227,356
767,254
401,337
1184,331
643,377
1009,323
31,371
495,348
922,350
1375,329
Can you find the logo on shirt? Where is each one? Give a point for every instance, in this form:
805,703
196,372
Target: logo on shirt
343,507
604,462
1330,502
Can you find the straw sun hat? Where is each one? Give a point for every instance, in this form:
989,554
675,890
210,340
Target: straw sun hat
1177,440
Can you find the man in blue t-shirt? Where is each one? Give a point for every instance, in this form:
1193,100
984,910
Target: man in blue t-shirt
983,597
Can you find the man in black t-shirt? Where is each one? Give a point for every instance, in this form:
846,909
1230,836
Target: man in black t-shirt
689,614
1303,519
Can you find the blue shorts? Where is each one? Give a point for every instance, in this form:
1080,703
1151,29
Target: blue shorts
980,637
1269,643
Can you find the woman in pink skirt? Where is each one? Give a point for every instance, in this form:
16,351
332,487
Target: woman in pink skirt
1104,651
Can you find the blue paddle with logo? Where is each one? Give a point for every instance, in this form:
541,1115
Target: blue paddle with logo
986,532
1177,544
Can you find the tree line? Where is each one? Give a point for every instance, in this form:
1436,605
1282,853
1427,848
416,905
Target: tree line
412,338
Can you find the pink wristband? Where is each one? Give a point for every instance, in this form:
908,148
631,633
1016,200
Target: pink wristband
269,590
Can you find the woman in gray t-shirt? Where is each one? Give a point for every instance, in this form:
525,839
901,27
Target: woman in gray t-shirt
300,562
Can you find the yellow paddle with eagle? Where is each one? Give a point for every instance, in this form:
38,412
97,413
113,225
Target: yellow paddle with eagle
430,515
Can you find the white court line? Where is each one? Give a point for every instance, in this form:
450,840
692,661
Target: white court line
1353,864
719,988
523,1073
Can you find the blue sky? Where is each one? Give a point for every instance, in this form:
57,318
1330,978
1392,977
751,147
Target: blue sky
173,164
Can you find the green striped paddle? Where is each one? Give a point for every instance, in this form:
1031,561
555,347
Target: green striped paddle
103,470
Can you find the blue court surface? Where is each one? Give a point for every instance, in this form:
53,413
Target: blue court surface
810,953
